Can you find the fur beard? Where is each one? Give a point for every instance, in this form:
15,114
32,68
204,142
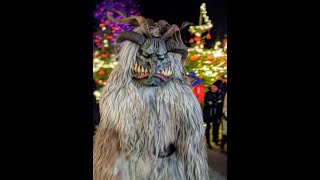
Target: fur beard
138,122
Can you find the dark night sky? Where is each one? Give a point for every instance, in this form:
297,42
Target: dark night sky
187,10
176,13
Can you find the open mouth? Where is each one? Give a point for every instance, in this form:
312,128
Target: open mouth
140,72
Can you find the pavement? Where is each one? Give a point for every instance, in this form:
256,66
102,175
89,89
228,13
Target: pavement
217,161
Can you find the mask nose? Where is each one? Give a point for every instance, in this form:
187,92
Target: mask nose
153,62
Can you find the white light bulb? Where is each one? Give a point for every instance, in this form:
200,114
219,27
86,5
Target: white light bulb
97,93
103,28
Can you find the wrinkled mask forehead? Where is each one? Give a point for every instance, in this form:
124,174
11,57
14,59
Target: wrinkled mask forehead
154,46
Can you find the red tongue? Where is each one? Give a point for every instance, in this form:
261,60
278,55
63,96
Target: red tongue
161,76
141,76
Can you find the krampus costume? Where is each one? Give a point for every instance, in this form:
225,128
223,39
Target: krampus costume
151,123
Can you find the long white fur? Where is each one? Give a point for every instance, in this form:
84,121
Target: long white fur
148,119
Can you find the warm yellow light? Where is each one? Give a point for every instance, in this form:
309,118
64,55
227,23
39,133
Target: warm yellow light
96,60
208,73
97,94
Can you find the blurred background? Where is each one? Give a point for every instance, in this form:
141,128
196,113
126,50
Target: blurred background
206,38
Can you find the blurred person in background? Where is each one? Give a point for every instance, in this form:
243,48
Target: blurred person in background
211,113
197,86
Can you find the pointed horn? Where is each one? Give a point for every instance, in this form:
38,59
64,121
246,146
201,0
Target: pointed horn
150,21
184,24
177,35
178,38
174,28
164,25
122,14
133,20
130,20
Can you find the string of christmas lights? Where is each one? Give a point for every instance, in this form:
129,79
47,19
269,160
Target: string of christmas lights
105,33
207,63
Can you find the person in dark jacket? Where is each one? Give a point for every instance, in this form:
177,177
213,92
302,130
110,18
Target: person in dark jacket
222,85
95,109
211,113
222,82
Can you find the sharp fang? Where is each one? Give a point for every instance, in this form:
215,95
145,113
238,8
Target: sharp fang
158,72
165,72
136,68
139,69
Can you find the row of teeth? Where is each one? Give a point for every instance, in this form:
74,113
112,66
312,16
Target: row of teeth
137,69
166,72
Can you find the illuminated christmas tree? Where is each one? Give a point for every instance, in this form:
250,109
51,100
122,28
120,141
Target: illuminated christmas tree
105,33
208,64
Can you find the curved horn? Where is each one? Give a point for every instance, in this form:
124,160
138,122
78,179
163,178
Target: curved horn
130,36
150,21
122,14
174,28
178,38
184,24
133,20
164,25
